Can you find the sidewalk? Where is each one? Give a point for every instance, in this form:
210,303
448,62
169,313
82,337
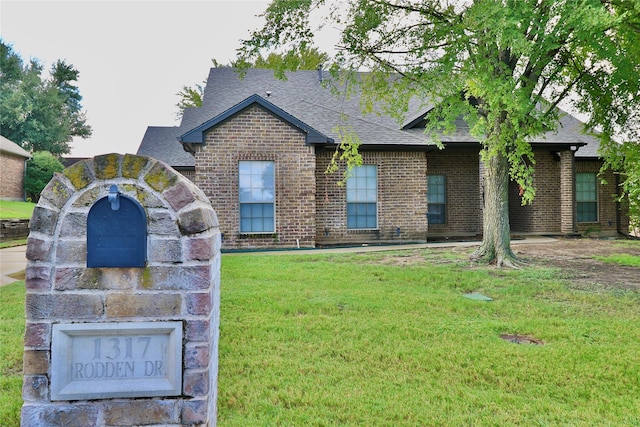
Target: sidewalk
12,260
379,248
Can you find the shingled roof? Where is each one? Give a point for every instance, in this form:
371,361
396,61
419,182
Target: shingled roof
162,143
10,147
305,98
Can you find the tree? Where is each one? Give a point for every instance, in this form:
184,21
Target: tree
36,113
40,170
625,160
306,58
502,65
190,97
302,58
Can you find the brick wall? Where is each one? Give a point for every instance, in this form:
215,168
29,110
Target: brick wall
463,194
180,282
188,173
311,207
255,134
607,206
402,203
543,215
553,208
12,182
567,192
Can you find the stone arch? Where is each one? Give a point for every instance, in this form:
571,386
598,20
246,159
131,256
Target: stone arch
180,282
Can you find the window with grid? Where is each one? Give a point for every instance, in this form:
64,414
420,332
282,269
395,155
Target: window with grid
362,198
436,199
257,196
587,197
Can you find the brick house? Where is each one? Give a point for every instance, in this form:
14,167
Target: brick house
13,160
259,147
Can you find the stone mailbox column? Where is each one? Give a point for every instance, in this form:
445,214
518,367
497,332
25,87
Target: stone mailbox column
128,338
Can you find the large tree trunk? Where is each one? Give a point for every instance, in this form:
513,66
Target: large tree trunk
496,240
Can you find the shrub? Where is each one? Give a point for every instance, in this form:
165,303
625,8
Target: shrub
40,170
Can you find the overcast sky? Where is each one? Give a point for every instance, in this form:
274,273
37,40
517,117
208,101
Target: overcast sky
133,56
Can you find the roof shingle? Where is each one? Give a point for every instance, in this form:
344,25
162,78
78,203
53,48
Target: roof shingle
311,101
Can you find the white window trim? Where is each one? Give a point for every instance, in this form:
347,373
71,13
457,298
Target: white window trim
597,200
377,202
275,198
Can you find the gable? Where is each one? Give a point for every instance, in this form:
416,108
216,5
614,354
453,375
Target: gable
197,135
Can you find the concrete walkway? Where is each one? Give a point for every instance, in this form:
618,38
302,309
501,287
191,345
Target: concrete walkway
379,248
12,260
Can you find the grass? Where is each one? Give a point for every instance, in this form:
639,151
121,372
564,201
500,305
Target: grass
11,345
621,259
624,259
387,339
12,243
361,340
16,210
628,244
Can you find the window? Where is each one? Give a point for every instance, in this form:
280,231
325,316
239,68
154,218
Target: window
436,191
362,198
587,197
257,196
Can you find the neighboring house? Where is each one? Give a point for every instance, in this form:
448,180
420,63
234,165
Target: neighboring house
259,147
68,161
13,166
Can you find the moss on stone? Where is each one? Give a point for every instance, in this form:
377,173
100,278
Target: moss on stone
149,200
147,280
107,166
160,177
59,189
56,192
88,198
128,188
144,197
132,165
79,175
90,279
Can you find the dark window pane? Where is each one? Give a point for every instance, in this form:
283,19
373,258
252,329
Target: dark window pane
587,212
436,213
586,197
362,197
436,199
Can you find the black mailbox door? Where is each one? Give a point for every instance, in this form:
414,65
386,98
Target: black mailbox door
117,238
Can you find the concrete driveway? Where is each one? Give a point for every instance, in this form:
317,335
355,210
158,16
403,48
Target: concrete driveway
12,260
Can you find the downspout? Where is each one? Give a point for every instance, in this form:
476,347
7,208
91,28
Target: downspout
24,179
574,204
618,205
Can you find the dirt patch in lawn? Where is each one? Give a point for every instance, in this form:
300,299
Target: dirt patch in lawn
577,259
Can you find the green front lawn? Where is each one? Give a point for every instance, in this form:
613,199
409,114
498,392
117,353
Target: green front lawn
388,339
11,346
16,210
